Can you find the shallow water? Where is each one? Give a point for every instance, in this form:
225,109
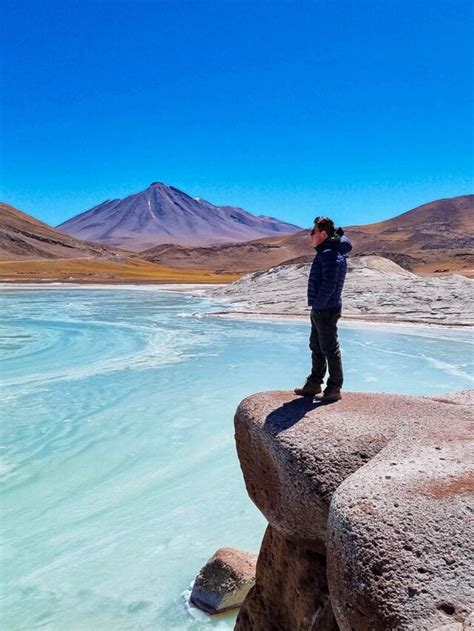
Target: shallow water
119,470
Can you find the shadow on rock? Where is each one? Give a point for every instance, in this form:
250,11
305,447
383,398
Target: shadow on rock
290,413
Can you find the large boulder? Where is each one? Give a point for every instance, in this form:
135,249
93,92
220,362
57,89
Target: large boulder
377,486
224,581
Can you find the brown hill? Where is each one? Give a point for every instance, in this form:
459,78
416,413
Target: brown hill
434,237
23,237
30,250
238,257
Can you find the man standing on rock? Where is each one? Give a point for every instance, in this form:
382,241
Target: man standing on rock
325,283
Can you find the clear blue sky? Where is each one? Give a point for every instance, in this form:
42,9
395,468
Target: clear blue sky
358,109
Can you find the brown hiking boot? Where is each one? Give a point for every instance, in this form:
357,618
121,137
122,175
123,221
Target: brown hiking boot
308,390
331,393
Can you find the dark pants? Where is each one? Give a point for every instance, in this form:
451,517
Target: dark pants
324,345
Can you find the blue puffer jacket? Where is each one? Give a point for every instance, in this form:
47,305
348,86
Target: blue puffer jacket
327,274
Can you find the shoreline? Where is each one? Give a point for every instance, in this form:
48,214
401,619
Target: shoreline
353,321
145,285
202,289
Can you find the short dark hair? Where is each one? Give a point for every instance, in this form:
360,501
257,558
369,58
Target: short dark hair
326,224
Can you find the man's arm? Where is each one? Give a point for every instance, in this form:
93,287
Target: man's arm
312,284
328,285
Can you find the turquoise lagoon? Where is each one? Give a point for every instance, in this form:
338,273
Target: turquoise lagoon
120,476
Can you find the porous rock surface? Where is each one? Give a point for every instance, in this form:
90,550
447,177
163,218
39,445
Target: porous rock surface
379,487
224,581
291,591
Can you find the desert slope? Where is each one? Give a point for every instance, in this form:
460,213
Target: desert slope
434,237
22,237
239,257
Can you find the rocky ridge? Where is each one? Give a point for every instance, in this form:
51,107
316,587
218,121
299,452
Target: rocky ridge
376,289
369,503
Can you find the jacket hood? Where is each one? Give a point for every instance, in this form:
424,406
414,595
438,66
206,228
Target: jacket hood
341,244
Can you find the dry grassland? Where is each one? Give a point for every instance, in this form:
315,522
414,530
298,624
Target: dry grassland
97,271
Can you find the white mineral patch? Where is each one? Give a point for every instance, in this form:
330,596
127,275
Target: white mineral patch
376,289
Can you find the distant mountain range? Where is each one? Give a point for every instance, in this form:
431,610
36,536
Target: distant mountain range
163,214
434,237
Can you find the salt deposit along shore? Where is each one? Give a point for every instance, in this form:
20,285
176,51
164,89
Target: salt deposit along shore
192,288
376,290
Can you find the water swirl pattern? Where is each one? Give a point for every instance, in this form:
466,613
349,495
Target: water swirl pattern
119,470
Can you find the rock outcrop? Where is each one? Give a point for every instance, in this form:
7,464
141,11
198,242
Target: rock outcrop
369,504
225,580
376,289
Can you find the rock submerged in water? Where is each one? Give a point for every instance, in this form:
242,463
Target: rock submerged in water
224,581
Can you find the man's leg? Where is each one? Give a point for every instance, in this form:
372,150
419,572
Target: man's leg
329,343
312,387
318,357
